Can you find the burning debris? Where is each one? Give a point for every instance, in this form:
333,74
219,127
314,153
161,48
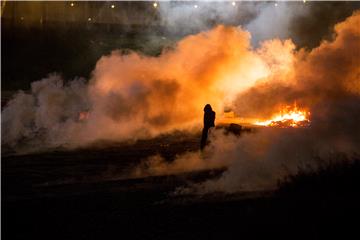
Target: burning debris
290,116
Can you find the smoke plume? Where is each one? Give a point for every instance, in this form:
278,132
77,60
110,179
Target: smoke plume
326,80
133,96
305,23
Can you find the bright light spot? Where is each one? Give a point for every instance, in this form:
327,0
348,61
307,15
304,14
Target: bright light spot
290,116
112,6
22,18
195,6
233,3
72,4
276,4
155,5
304,1
89,19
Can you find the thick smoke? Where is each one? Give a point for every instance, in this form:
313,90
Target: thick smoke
326,80
133,96
305,23
47,116
328,72
265,20
187,17
275,21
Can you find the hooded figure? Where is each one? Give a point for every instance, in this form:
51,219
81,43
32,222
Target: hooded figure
209,121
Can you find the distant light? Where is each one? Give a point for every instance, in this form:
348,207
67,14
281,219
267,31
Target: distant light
72,4
112,6
276,4
195,6
155,4
22,18
89,19
233,3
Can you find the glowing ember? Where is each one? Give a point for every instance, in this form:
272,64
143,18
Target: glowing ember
288,117
84,115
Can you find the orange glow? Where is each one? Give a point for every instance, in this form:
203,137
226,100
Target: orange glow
84,116
290,116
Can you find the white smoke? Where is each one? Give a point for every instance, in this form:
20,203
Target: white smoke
265,20
133,96
187,17
258,160
49,113
275,21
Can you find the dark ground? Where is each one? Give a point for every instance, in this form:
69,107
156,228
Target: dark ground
79,194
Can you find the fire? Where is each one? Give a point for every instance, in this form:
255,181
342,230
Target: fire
289,116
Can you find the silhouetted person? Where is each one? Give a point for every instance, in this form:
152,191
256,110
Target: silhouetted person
209,121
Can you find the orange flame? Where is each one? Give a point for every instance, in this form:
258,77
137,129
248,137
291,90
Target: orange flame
288,117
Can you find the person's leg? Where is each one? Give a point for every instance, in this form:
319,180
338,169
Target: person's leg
204,136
